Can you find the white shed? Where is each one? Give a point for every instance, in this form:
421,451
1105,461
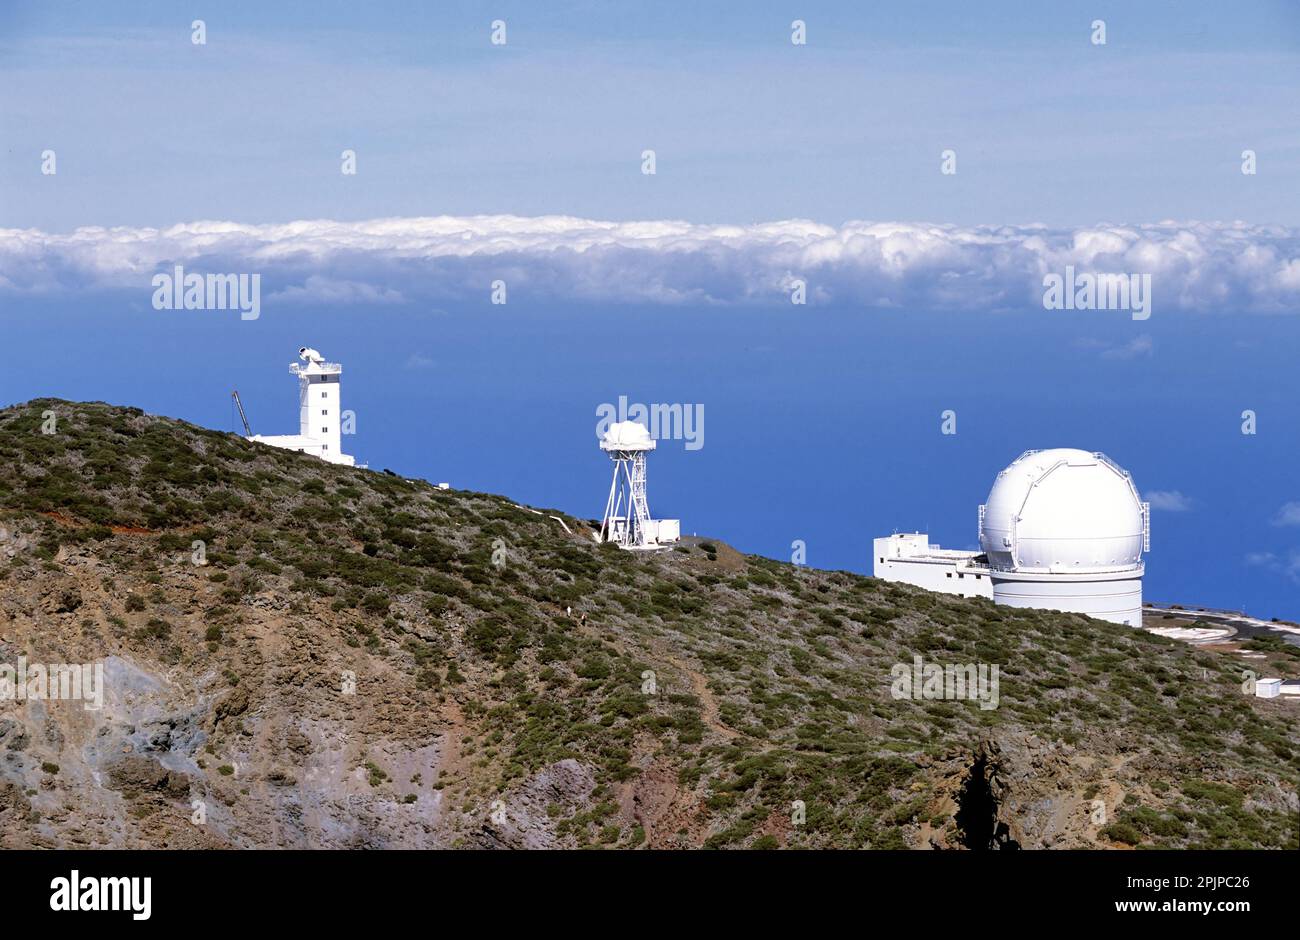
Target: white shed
1268,688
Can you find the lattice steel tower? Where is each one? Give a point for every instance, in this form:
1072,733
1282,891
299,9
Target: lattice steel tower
627,521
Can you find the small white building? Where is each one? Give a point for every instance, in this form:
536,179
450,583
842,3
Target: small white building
910,558
1268,688
319,417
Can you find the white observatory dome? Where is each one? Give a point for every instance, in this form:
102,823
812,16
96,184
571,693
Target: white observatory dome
627,435
1063,511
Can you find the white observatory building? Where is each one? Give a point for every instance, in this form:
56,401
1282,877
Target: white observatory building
1065,530
627,521
911,558
1062,529
319,428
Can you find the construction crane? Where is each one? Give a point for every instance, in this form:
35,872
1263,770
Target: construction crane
248,432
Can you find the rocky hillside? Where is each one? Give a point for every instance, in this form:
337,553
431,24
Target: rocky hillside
301,655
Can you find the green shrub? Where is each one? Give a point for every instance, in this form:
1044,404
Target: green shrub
1122,832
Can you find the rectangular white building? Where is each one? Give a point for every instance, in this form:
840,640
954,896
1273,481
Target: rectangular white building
910,558
1268,688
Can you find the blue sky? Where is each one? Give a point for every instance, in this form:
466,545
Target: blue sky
523,163
822,426
152,130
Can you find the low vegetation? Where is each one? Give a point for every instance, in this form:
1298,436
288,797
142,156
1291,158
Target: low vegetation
754,685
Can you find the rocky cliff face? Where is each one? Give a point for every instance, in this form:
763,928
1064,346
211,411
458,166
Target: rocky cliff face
300,655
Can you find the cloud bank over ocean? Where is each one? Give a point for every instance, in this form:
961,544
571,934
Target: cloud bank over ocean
1195,267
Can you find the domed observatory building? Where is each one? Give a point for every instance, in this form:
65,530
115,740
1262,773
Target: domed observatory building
1065,530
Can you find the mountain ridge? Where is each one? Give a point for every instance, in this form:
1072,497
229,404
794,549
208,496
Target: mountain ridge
363,660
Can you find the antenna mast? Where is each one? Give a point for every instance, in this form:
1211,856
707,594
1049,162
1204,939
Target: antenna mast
248,432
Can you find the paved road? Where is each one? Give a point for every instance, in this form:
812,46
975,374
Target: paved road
1242,624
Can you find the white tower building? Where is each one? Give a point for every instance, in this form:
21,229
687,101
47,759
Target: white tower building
1065,529
627,520
319,417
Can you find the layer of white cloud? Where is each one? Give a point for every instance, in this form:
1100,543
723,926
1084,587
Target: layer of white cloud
1289,514
1168,500
418,360
1287,564
317,290
1229,267
1137,347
